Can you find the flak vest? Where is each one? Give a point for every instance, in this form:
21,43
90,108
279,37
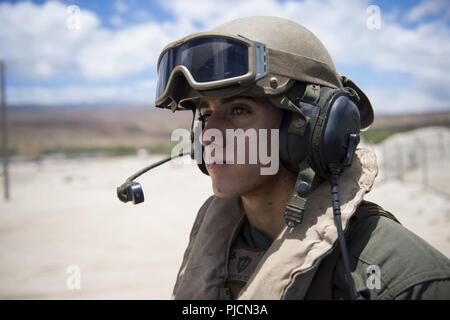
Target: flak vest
288,267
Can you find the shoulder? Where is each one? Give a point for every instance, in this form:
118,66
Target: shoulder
197,223
201,214
206,204
407,266
193,234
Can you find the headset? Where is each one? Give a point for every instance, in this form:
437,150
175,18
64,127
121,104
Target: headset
323,130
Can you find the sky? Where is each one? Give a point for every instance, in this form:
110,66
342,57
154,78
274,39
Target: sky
105,52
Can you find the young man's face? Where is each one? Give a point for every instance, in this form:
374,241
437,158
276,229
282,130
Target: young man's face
229,176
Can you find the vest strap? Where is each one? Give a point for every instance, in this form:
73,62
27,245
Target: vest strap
305,184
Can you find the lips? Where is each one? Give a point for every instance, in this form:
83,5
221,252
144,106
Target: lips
213,164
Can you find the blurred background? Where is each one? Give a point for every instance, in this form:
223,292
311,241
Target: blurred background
79,82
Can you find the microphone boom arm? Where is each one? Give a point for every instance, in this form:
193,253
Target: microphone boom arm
131,190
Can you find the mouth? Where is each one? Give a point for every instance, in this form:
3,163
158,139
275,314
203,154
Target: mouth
215,165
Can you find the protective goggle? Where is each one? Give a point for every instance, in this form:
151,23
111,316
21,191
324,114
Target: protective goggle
210,61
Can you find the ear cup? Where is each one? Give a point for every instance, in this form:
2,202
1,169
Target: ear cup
342,119
295,147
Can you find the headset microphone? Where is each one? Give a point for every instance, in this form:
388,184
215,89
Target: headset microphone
131,190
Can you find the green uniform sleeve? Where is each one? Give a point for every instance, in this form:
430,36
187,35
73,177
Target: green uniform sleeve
429,290
408,267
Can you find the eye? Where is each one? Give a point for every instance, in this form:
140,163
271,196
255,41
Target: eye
239,110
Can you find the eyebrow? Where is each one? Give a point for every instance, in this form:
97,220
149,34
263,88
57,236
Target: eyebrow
202,104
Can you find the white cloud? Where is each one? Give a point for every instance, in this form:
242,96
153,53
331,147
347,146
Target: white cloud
117,20
120,6
407,100
427,8
113,54
136,93
36,43
35,40
342,28
421,52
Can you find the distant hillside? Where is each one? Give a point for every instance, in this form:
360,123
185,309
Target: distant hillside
36,131
411,121
386,125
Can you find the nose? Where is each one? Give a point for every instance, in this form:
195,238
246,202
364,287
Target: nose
217,122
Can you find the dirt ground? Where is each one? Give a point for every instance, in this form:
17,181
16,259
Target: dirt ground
65,212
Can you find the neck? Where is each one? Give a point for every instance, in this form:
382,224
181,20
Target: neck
265,206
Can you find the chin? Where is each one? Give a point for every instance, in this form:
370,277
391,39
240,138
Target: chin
225,187
234,180
225,192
